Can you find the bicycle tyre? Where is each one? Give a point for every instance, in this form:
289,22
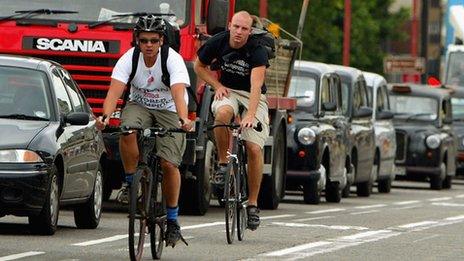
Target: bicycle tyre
230,203
242,197
157,225
139,200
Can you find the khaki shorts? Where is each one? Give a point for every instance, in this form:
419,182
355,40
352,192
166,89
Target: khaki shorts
170,148
237,98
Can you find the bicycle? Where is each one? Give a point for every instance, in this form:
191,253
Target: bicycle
147,208
235,185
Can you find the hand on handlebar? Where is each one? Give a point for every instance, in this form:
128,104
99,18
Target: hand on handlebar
186,124
101,122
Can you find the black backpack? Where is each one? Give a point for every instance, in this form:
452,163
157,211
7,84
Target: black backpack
264,38
171,39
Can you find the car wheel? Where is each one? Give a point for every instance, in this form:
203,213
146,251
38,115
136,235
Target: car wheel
384,185
447,183
332,190
311,193
88,215
46,222
346,189
436,181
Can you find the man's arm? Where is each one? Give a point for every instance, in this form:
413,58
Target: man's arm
109,105
257,81
203,73
178,92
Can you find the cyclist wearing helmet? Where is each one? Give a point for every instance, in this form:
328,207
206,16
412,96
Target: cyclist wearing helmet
152,103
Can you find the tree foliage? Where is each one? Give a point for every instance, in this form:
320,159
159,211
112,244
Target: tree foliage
373,27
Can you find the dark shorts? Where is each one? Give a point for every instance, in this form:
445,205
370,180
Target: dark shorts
170,147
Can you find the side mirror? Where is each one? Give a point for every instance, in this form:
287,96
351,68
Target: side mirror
329,106
363,112
218,12
77,118
384,115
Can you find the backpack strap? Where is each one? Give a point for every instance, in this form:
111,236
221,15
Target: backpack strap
135,63
166,77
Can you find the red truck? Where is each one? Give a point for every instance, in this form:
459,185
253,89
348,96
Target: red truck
88,37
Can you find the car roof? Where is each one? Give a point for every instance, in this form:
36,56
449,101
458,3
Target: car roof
346,71
422,90
23,61
313,67
457,92
373,79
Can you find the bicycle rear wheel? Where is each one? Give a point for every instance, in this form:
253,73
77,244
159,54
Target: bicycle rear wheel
157,223
139,202
230,202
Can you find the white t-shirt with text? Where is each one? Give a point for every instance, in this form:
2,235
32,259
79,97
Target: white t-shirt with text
146,87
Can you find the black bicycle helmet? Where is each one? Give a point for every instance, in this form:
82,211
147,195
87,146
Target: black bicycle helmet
150,23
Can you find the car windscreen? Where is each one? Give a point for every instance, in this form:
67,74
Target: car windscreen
97,10
458,108
303,88
455,70
414,107
23,94
346,83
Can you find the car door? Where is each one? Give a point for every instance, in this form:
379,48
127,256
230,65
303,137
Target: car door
385,131
363,131
84,138
65,138
449,137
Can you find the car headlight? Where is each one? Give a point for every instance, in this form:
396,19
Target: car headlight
19,156
306,136
432,141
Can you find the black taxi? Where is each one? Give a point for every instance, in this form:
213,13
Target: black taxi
316,130
425,139
457,102
361,136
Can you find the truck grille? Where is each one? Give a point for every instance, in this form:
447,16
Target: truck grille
92,74
401,146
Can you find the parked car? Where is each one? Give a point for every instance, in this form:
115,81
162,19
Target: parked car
425,140
457,102
361,138
385,141
315,141
50,151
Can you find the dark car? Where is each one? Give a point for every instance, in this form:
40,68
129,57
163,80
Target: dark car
50,151
361,137
457,101
316,150
425,140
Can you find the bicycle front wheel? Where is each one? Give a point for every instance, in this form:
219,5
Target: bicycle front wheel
242,202
139,202
157,219
230,200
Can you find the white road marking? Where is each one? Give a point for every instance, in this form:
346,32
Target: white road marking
298,248
314,218
278,216
365,212
100,241
371,206
418,224
440,199
445,204
425,238
330,210
409,207
330,245
203,225
21,255
460,196
406,202
335,227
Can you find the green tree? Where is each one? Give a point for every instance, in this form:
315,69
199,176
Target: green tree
373,26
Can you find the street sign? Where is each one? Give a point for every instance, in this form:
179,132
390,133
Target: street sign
404,64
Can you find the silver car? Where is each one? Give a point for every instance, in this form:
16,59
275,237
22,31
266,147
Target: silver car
385,141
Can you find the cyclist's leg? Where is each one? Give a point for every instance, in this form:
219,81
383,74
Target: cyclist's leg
223,112
170,150
134,116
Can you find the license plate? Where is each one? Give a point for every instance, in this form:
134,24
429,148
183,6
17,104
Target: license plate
400,170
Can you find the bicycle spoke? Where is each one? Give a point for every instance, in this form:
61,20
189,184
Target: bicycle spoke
230,202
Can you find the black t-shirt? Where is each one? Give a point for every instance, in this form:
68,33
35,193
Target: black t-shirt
235,64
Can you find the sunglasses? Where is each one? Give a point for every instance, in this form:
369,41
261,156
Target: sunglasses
152,40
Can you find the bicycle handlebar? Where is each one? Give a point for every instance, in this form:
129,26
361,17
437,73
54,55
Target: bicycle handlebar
233,126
